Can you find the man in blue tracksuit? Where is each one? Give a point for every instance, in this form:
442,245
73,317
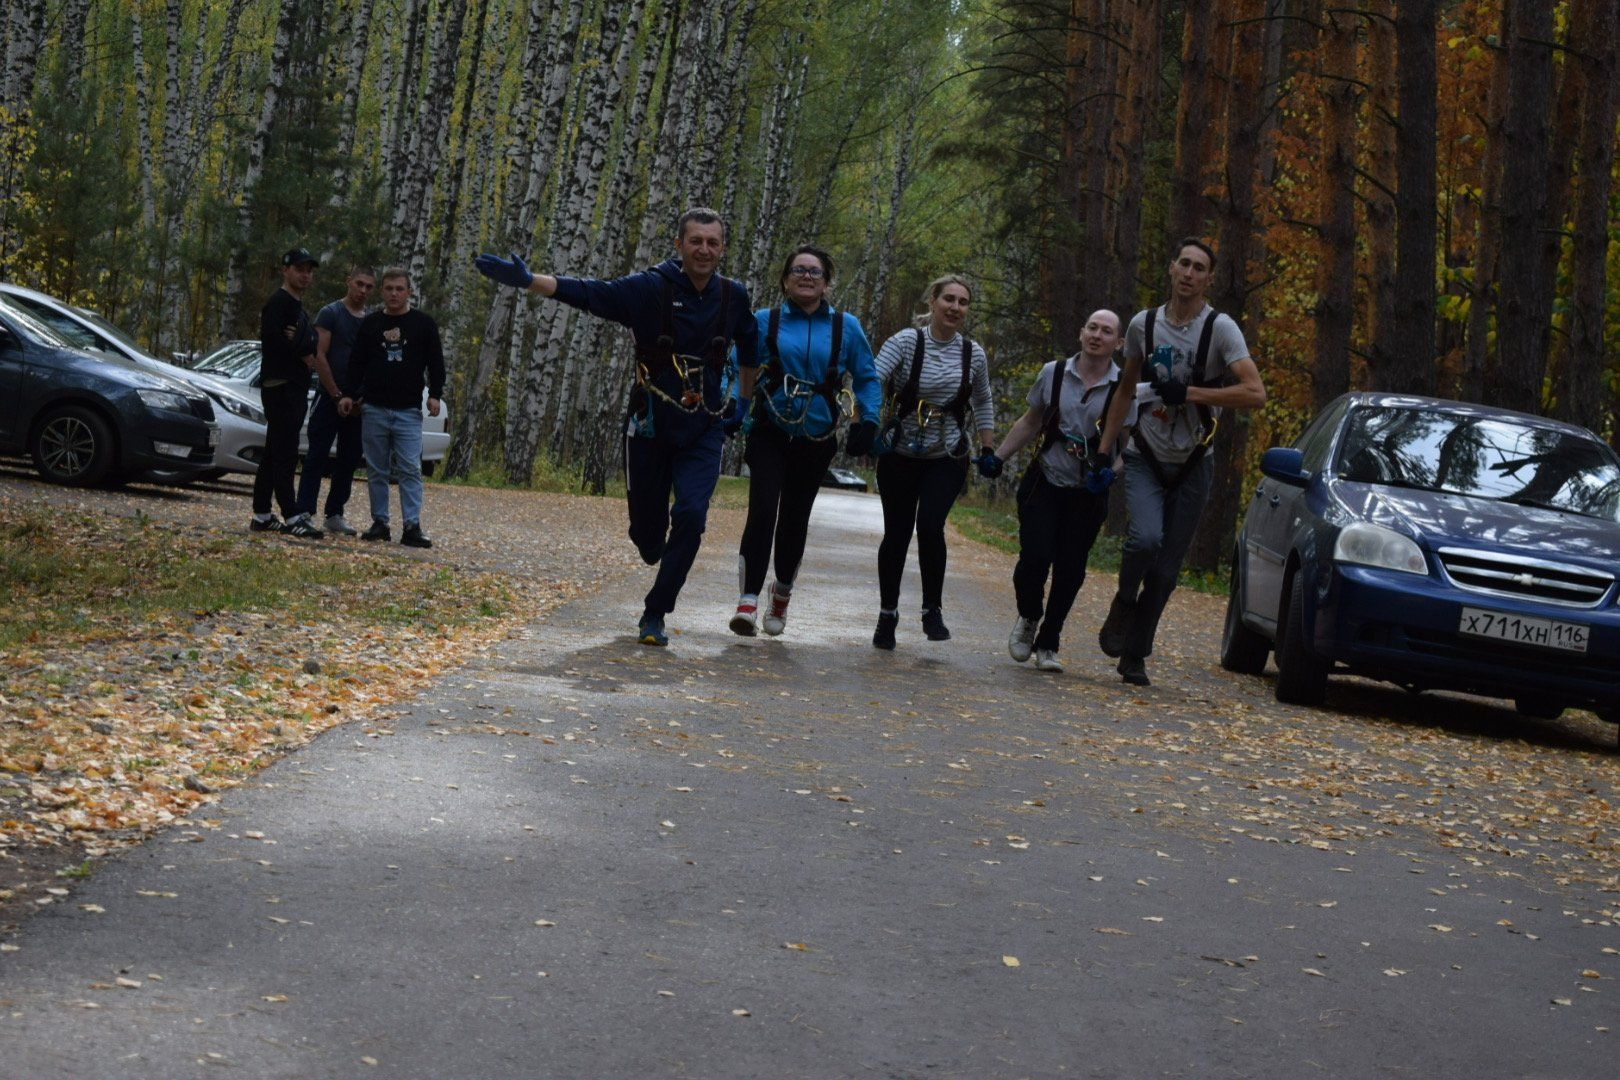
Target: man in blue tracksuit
685,317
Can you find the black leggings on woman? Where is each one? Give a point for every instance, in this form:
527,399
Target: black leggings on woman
917,495
784,475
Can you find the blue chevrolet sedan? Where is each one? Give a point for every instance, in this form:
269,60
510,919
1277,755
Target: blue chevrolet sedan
1437,545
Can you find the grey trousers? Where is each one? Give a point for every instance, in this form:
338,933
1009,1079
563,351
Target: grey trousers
1162,524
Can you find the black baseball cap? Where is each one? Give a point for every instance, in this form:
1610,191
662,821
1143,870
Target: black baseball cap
298,257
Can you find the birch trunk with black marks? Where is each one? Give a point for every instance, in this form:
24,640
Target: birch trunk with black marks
413,207
552,29
349,110
280,54
143,121
546,383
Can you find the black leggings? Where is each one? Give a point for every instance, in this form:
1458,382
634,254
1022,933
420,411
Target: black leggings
784,475
917,495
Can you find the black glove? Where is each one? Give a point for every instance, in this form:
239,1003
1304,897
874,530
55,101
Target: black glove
858,441
511,271
733,420
989,465
1170,391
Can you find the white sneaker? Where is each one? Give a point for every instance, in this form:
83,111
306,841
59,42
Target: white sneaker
775,620
1046,660
1022,639
335,524
742,623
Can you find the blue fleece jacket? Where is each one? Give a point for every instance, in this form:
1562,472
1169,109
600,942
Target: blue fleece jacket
636,301
803,344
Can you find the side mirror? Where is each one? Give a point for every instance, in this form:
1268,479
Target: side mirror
1285,464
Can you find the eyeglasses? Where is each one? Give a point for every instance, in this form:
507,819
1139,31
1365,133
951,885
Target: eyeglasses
811,272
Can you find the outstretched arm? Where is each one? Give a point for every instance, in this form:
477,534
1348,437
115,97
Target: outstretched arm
1024,429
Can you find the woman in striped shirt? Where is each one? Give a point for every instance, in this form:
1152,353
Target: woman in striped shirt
933,377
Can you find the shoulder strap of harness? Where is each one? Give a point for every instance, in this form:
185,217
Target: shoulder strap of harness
1051,432
959,404
909,392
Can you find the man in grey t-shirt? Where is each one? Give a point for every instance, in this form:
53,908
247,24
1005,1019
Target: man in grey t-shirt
1195,363
336,326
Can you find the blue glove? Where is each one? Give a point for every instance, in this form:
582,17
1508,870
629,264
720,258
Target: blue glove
989,465
733,421
1098,481
514,273
1170,391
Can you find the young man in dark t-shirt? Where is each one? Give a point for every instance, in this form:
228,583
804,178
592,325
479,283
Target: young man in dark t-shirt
287,355
396,353
336,326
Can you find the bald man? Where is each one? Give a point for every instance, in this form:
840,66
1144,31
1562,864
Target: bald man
1063,496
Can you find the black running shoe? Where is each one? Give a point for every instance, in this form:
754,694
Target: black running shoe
272,524
934,625
1134,671
301,528
378,531
1115,628
413,537
883,636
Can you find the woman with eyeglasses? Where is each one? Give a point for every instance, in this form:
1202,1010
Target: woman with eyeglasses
1063,496
933,376
807,348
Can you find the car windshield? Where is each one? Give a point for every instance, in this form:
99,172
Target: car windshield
110,330
32,327
236,360
1488,457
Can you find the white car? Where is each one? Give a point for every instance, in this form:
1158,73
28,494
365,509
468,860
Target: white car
236,364
240,419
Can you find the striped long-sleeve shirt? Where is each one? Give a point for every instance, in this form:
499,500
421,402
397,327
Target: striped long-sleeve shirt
938,385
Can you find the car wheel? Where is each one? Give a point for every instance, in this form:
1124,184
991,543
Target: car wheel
1539,708
1243,649
74,446
1301,674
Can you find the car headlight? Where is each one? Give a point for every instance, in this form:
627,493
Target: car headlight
164,399
1374,545
240,407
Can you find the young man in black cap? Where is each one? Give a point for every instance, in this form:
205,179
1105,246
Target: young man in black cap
287,356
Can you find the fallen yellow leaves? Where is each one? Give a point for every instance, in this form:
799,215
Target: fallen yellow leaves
1011,961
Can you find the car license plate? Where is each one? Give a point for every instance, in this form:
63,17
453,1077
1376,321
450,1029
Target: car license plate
1524,630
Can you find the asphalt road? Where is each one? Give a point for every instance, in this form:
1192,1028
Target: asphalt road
803,857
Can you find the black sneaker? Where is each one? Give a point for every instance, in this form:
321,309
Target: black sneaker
412,536
378,531
934,625
883,636
1133,671
1115,628
272,524
302,528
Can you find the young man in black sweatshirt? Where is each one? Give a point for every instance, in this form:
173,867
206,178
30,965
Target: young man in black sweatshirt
396,353
287,355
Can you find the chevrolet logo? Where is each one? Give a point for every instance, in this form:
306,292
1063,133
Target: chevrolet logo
1525,580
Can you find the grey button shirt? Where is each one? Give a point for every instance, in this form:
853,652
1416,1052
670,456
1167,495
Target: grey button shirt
1080,415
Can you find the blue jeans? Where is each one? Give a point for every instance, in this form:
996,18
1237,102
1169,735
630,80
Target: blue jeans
325,428
393,443
1162,524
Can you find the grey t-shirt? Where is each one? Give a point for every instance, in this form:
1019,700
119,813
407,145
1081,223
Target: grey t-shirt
344,326
1080,415
1171,432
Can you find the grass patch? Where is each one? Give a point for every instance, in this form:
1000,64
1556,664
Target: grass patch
994,521
549,475
74,576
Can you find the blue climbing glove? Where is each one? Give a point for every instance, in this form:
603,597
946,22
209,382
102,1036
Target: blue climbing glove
736,415
1170,391
989,465
514,273
858,442
1099,473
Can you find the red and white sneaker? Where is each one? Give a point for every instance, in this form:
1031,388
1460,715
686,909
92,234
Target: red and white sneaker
775,620
742,623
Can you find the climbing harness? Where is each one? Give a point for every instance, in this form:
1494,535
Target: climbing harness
800,392
924,413
653,362
1208,423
